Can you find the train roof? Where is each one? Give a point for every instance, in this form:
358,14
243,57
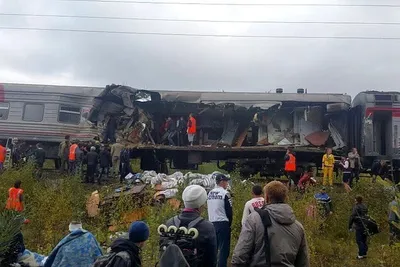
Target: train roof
52,89
372,96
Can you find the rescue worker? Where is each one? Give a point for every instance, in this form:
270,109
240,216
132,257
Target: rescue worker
355,164
3,153
72,157
181,127
195,197
290,167
359,211
277,240
105,163
220,213
92,158
116,157
40,158
328,162
256,202
63,152
15,199
191,129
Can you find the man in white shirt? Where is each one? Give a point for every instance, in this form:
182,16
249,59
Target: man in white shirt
256,202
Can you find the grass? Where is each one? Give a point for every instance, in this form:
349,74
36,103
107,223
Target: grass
53,202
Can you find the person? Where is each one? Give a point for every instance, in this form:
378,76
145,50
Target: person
40,158
394,231
78,248
359,210
194,198
125,252
220,214
63,152
3,153
256,202
171,131
15,153
306,178
116,154
347,174
92,159
355,164
191,129
379,168
79,159
105,163
328,162
109,132
181,127
125,163
72,157
286,236
15,199
290,167
324,203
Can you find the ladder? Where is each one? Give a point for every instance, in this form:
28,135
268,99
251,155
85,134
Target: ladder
7,161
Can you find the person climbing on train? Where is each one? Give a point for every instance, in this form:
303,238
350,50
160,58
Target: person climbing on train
15,199
328,162
290,167
194,198
191,129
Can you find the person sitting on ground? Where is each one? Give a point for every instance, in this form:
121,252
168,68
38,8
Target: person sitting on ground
285,239
125,252
256,202
194,198
306,178
78,248
324,203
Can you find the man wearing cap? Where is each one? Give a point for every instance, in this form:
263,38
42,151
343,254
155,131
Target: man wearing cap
194,198
128,250
220,214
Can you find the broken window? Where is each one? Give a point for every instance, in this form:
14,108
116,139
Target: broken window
69,114
4,109
33,112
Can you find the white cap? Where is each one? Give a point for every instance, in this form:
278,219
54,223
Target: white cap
194,196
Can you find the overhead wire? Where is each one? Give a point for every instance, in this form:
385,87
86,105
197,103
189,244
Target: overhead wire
201,35
233,4
200,20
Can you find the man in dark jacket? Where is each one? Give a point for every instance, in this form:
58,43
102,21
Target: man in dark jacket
128,250
194,198
359,211
92,158
125,163
105,163
40,158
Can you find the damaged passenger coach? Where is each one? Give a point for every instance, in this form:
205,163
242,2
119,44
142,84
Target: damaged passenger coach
248,132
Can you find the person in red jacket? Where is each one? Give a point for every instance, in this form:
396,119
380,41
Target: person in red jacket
3,153
191,128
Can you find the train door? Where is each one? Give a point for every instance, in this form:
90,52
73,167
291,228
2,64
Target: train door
382,132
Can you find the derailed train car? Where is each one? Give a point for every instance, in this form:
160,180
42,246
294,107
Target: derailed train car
45,114
249,132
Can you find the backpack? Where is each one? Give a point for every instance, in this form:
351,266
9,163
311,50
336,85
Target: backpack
108,260
266,220
370,225
178,246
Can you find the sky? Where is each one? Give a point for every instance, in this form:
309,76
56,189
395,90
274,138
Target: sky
203,63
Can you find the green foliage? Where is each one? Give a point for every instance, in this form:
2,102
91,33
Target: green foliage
54,201
10,227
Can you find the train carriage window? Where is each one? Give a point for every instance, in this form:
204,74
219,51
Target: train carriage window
4,109
68,114
33,112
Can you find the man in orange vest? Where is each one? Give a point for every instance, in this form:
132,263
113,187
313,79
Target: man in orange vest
3,152
191,128
15,198
290,167
72,157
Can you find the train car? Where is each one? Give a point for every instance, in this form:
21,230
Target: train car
374,126
45,114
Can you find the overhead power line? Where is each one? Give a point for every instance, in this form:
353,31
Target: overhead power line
201,20
230,4
201,35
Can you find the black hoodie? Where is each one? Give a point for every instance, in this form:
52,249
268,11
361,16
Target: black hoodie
131,248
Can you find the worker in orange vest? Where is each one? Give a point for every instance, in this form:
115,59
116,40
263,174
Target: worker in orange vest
290,167
3,152
191,128
15,197
72,157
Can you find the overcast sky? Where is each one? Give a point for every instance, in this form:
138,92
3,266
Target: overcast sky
202,63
